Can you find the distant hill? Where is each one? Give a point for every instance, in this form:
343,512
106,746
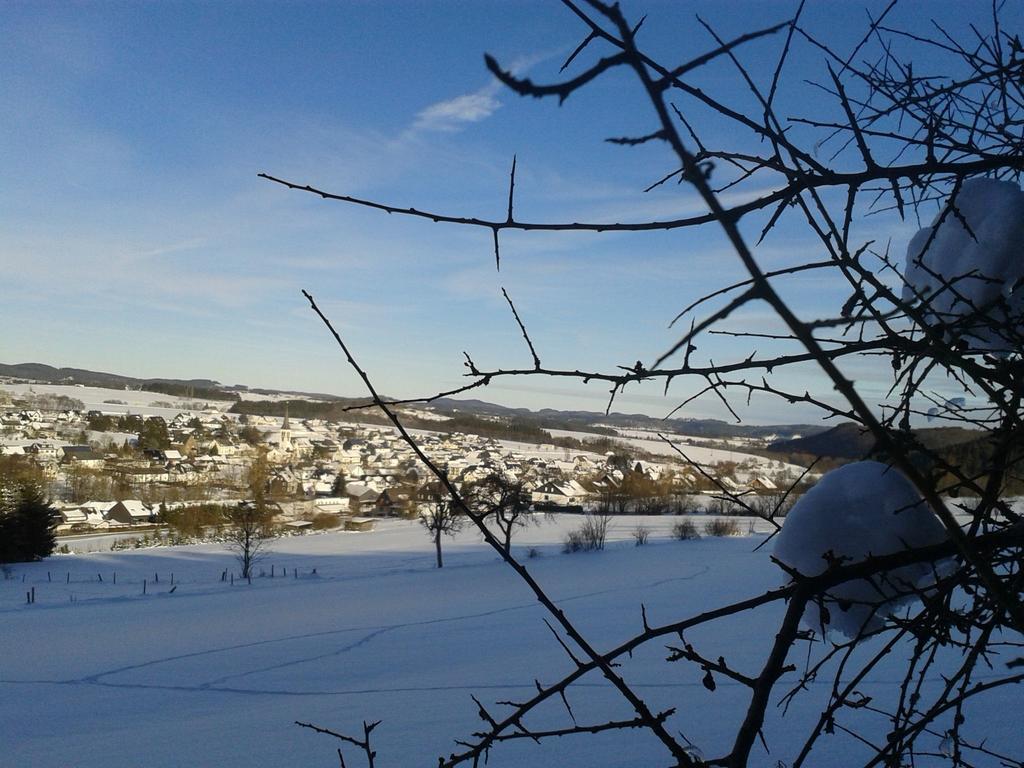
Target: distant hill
589,421
851,441
316,405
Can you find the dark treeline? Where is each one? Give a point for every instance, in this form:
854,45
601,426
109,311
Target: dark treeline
152,431
978,459
309,409
941,448
189,391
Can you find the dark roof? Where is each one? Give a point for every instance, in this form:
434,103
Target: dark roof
81,453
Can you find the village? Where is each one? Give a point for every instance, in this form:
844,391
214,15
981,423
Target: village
108,470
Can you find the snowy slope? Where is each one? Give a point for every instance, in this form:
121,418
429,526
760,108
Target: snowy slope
139,402
215,675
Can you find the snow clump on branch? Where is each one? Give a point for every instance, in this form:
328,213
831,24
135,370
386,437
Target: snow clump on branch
968,266
855,512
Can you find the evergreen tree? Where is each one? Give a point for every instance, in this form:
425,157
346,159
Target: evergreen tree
251,435
26,524
35,519
9,537
153,434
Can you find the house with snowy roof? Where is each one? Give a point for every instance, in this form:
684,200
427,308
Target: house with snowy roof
45,451
646,468
606,481
729,485
361,493
762,483
331,505
564,494
70,518
171,456
130,512
96,510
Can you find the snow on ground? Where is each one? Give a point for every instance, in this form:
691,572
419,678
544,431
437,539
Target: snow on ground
543,451
96,674
82,543
258,397
649,441
425,415
139,402
739,442
117,438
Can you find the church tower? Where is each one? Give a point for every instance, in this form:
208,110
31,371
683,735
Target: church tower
286,430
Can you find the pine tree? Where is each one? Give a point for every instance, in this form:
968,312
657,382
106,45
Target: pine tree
26,524
9,538
153,434
338,488
35,521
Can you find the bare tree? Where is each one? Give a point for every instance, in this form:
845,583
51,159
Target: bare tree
502,500
250,525
591,534
250,528
441,515
900,140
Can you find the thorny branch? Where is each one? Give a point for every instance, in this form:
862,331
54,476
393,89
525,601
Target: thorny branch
902,141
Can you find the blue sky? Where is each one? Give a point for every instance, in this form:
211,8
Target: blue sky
135,236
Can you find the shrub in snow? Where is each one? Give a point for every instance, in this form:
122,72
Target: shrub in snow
968,266
684,530
855,512
590,536
721,526
640,535
720,506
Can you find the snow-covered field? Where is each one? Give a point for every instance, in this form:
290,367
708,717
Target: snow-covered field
258,397
98,674
702,454
544,451
139,402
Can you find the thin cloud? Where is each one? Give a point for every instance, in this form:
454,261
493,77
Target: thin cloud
164,250
454,114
